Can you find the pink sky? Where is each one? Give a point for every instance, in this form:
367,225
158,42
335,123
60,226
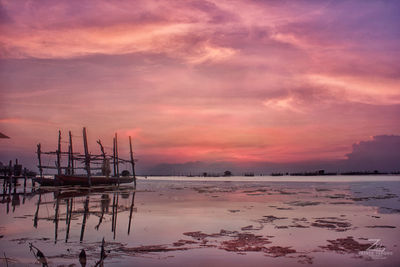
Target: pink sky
248,81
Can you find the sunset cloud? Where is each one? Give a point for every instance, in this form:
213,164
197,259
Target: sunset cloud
194,80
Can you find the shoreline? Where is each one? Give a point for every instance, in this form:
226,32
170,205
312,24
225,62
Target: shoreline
288,178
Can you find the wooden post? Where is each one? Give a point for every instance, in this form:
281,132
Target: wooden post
105,165
115,170
68,170
71,156
116,154
40,163
87,156
102,149
59,154
132,161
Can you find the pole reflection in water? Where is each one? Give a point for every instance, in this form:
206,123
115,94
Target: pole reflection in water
69,216
9,197
95,204
87,214
23,199
86,210
131,211
105,203
56,220
115,214
35,219
15,199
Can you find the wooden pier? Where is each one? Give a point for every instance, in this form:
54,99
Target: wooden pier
67,175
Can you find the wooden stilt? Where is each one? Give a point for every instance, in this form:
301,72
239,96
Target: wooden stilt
114,160
132,161
39,154
72,154
87,156
102,149
70,169
59,154
105,167
116,154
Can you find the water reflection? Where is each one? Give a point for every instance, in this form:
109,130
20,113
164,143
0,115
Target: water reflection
10,194
71,206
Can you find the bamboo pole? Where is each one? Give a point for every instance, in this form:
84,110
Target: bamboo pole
59,154
132,161
116,154
87,156
71,154
105,166
68,169
103,154
39,151
114,160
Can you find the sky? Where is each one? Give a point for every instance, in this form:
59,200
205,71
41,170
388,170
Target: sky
238,81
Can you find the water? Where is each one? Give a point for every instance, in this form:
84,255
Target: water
217,221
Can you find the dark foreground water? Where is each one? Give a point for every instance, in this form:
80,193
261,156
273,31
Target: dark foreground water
174,221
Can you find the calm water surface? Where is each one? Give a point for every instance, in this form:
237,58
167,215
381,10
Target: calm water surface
236,221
